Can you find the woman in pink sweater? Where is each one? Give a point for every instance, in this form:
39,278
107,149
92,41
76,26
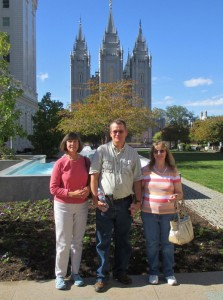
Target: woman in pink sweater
70,187
161,188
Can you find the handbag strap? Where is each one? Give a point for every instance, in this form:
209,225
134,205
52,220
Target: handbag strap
180,208
87,165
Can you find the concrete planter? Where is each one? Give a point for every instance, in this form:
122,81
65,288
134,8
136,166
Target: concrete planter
23,187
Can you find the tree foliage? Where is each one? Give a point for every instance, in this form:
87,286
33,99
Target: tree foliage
9,91
209,130
111,101
179,115
157,136
46,136
173,133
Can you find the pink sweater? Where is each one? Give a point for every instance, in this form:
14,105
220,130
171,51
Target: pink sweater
157,190
68,175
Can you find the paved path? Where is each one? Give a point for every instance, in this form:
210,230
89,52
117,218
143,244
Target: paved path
204,201
192,286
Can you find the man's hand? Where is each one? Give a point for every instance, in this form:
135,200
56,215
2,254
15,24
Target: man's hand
134,208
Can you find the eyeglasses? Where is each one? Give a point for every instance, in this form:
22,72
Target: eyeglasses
158,151
117,131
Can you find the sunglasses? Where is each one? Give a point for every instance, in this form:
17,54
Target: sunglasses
159,151
117,131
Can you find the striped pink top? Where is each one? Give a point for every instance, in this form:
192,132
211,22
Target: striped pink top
157,190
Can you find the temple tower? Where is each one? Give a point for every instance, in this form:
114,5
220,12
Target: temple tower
80,68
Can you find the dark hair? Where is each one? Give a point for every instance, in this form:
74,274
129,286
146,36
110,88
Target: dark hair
169,159
119,122
71,136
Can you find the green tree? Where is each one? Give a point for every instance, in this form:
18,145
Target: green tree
46,136
179,115
209,130
173,133
111,101
9,91
157,136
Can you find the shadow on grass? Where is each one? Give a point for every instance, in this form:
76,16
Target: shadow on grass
197,156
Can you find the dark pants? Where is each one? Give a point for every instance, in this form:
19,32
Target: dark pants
114,223
156,229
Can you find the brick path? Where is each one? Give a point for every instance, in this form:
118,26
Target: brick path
204,201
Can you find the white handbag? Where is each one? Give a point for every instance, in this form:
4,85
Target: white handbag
181,228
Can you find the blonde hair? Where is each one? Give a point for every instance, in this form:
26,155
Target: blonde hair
169,159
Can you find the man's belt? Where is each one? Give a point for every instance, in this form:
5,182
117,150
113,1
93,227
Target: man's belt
122,199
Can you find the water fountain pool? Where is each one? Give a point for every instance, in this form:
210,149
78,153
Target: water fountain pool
18,183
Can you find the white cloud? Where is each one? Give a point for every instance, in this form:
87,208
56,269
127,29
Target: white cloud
215,101
43,76
197,82
168,100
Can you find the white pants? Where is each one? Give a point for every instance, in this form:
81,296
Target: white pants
70,223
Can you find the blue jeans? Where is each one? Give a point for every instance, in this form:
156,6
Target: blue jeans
114,224
156,230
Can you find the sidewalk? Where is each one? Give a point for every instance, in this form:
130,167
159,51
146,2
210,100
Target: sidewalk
192,286
205,202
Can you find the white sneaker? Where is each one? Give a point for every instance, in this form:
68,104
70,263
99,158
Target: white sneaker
153,279
171,280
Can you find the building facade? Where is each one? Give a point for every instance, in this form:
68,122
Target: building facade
18,19
137,67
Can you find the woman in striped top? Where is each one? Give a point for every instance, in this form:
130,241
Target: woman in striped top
161,188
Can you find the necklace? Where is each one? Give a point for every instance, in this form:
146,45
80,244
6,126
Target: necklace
71,158
155,169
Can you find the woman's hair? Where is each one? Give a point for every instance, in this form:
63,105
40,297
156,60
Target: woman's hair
169,160
71,136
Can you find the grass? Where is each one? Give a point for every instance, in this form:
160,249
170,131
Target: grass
204,168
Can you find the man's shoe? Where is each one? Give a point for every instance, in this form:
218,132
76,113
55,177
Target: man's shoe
78,281
99,286
171,280
124,279
60,283
153,279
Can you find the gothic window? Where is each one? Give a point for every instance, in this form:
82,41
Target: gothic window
25,125
80,77
5,3
141,92
5,21
80,93
141,78
111,74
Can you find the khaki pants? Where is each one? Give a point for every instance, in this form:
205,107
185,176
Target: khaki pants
70,225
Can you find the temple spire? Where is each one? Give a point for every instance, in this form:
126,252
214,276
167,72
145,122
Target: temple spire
80,35
111,27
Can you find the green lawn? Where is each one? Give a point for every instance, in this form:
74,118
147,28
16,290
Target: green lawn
205,168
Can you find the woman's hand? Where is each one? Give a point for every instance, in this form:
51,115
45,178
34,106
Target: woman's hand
173,197
80,193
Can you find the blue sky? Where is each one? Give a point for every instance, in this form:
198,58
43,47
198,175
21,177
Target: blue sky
185,38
